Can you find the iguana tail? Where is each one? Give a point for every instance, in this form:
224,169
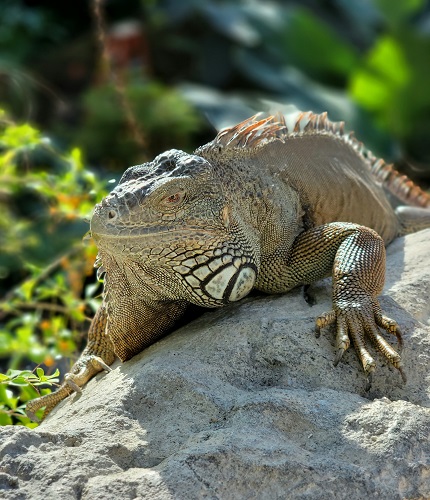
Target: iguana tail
399,185
413,216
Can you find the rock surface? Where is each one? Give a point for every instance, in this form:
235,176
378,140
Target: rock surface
244,402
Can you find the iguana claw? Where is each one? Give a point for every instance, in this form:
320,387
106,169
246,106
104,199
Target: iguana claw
99,363
403,374
355,322
369,380
338,356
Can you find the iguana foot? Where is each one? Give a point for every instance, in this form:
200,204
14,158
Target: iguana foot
353,321
89,367
83,370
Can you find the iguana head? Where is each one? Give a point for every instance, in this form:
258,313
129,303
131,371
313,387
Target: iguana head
168,228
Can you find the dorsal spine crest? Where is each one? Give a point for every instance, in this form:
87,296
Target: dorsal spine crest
256,131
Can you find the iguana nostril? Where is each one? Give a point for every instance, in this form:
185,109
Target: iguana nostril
111,214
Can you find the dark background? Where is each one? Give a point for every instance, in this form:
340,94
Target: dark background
188,66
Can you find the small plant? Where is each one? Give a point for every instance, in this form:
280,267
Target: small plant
24,382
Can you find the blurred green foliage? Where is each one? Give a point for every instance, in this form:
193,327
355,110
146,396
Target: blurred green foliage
44,267
163,117
393,79
363,61
204,64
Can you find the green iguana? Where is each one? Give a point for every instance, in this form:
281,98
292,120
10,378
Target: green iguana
269,204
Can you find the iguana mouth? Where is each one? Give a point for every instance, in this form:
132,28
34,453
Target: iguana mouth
128,232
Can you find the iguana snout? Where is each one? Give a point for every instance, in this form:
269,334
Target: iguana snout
174,191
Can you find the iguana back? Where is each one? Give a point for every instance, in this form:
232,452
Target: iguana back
335,177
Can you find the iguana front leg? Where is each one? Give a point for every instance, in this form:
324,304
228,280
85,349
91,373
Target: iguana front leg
355,255
97,356
129,326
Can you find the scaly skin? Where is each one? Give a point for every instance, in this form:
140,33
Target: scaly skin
262,206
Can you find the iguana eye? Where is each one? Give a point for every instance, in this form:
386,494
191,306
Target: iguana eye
173,200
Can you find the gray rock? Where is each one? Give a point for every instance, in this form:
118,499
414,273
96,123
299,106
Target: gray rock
244,402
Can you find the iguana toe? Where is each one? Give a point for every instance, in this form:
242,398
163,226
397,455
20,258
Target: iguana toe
86,369
338,356
324,320
32,416
69,380
390,325
403,374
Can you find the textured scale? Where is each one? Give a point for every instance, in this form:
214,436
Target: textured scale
271,203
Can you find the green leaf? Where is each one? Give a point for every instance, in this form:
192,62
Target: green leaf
27,289
385,72
315,47
19,373
19,381
4,418
399,12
